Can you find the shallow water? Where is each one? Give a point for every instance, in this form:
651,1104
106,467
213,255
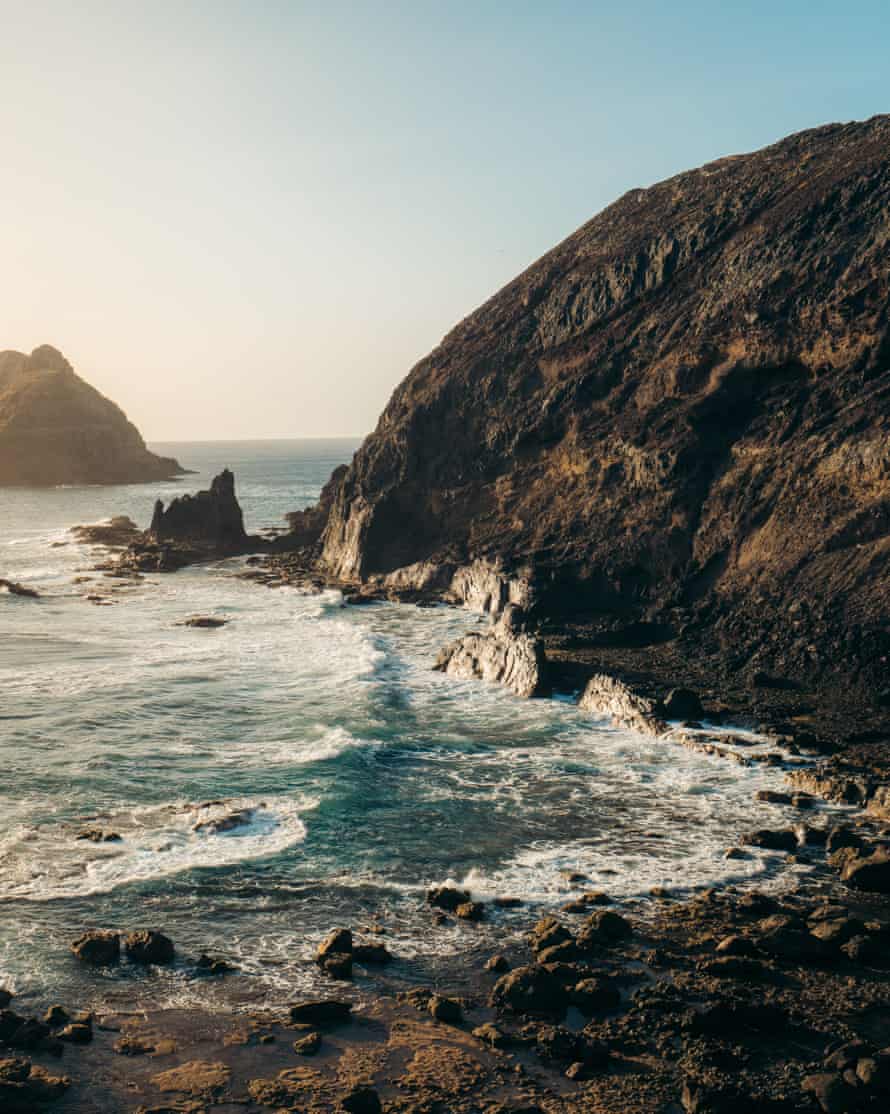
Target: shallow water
364,775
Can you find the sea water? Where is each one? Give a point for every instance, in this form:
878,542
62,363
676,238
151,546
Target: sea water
360,775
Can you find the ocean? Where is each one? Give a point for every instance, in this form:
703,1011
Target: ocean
365,775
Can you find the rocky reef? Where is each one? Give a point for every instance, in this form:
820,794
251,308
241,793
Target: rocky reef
57,429
673,427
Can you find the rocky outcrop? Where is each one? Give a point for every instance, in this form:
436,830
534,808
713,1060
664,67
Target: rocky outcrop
678,417
57,429
212,518
608,696
504,654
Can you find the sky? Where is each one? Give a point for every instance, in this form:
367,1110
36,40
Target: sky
250,219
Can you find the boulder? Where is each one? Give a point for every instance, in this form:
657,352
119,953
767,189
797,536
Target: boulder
505,654
871,873
98,947
338,941
605,695
783,839
594,995
682,704
308,1045
446,897
532,989
149,947
831,1091
445,1009
604,927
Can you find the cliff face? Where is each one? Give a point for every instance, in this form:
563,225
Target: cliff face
679,415
57,429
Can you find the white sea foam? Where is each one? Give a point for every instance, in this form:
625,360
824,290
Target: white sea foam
156,841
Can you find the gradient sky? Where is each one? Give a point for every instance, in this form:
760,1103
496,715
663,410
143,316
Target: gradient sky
250,219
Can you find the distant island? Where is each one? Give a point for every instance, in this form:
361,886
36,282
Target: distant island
57,429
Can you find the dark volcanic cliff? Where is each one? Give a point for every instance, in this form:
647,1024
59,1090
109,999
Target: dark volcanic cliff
680,416
57,429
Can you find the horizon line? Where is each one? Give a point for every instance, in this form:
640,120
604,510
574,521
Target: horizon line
252,440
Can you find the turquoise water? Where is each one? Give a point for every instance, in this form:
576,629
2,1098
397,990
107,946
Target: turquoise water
366,776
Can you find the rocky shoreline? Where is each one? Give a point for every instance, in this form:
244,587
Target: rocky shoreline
719,1003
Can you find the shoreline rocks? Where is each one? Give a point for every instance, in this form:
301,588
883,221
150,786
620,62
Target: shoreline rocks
505,654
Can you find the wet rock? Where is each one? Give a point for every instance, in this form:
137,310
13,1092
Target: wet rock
214,965
492,1036
362,1100
604,927
555,1042
683,704
324,1011
863,949
338,941
773,797
504,654
447,897
605,695
371,954
76,1033
97,835
204,622
98,947
216,825
737,945
703,1098
308,1045
548,932
337,964
842,836
26,1087
736,967
769,839
838,930
831,1091
149,947
874,1071
55,1017
594,995
470,911
445,1009
871,873
132,1045
530,989
497,963
15,589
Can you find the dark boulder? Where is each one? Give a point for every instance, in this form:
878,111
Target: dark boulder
149,947
532,989
98,947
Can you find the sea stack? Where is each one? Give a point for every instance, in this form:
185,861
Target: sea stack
57,429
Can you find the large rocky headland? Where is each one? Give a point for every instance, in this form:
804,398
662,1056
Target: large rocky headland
668,439
57,429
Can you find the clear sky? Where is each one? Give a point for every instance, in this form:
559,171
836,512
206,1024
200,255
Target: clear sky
249,219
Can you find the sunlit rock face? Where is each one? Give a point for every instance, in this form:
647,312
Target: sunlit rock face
57,429
679,416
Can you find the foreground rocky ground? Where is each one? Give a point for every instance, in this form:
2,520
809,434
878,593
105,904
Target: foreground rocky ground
724,1003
